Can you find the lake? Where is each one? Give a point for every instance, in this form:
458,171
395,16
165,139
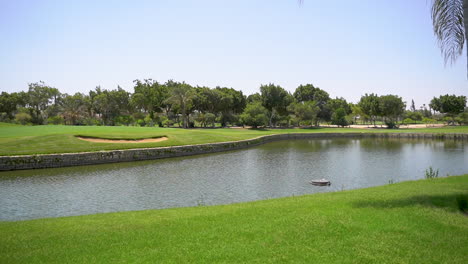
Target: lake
272,170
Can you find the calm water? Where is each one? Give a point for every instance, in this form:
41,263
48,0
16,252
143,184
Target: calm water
278,169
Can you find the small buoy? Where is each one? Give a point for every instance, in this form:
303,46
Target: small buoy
321,182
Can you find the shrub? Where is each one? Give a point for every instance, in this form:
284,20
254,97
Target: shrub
391,124
23,118
408,121
167,123
55,120
140,122
149,121
431,173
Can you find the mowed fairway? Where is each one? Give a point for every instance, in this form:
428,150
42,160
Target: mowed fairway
409,222
22,140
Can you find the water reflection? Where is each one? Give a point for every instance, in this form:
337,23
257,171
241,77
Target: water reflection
277,169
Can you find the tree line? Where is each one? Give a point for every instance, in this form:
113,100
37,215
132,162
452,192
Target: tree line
179,104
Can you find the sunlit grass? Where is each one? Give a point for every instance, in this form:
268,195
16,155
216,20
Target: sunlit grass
410,222
21,140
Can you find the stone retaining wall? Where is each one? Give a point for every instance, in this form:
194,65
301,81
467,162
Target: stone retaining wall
89,158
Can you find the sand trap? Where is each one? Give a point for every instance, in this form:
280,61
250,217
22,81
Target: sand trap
102,140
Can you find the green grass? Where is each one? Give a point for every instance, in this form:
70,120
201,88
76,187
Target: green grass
409,222
23,140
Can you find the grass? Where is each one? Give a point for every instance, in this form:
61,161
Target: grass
23,140
409,222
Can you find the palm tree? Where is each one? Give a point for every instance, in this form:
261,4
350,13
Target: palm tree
450,27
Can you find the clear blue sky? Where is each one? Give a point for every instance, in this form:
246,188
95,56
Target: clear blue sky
347,48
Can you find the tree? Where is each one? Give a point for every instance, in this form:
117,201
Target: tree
450,27
304,111
412,108
451,105
149,96
275,99
337,103
391,107
254,115
256,97
339,117
370,106
182,95
10,102
73,108
110,104
308,92
357,113
39,97
416,116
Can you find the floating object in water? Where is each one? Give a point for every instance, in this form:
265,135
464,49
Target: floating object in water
321,182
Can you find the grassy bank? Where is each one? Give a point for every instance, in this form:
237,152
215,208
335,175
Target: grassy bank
22,140
410,222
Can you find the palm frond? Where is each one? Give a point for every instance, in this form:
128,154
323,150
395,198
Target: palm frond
447,21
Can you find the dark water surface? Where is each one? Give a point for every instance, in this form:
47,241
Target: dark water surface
277,169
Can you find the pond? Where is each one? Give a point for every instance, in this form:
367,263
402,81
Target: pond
277,169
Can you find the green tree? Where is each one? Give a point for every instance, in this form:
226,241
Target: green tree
304,111
182,95
275,99
254,115
39,97
110,104
449,104
391,108
357,113
256,97
416,116
370,106
9,103
149,96
339,117
74,108
308,92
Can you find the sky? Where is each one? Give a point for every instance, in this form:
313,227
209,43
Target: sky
347,48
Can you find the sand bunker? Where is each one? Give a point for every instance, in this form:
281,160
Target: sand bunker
102,140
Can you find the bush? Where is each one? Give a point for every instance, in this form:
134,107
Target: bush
391,124
149,121
462,119
55,120
141,122
160,119
167,123
431,173
91,121
23,118
428,121
408,121
449,120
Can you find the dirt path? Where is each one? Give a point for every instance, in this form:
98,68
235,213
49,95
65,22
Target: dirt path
102,140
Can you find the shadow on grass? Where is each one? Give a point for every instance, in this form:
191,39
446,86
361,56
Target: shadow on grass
449,202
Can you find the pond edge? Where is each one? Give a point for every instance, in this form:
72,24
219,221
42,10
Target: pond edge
40,161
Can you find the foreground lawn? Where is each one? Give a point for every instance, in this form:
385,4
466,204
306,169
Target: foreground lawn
410,222
22,140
